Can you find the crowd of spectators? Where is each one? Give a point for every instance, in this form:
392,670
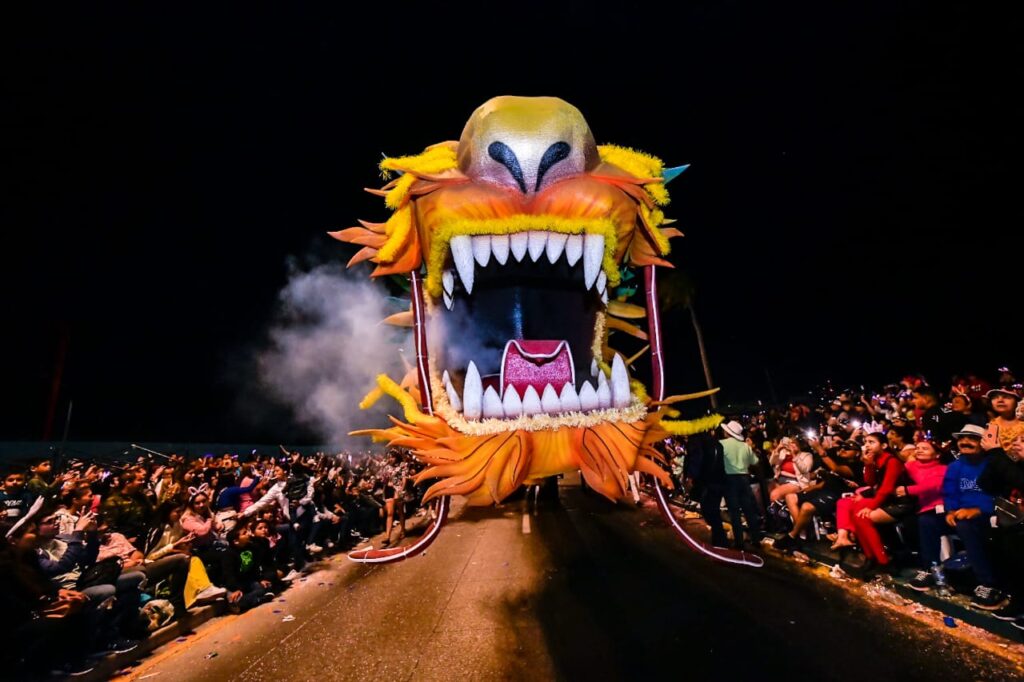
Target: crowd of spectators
96,555
911,480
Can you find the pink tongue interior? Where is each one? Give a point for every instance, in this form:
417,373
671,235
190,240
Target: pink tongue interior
536,363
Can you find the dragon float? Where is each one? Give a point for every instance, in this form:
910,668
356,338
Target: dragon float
515,239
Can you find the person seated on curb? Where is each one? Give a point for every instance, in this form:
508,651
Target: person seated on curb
171,564
969,509
883,472
63,565
927,472
245,571
130,509
1004,478
844,473
791,467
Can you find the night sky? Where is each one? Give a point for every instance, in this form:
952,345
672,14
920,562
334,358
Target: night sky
852,211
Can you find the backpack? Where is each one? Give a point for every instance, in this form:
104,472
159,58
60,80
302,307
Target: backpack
101,573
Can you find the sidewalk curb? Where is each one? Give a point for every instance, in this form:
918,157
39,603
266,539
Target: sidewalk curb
950,607
108,666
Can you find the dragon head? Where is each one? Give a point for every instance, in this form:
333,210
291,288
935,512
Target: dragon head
520,231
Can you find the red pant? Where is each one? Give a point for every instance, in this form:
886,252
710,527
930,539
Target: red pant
867,534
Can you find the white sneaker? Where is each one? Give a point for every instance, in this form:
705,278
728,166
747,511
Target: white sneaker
210,594
292,575
314,548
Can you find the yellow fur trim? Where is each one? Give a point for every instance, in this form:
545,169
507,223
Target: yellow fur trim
692,426
599,339
397,193
639,164
519,223
389,387
371,398
435,159
654,218
397,228
639,390
687,396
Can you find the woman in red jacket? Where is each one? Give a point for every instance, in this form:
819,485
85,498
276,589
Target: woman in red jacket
884,472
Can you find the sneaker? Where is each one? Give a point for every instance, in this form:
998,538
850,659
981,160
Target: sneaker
120,646
988,598
210,594
74,669
922,581
314,548
786,543
1013,610
292,575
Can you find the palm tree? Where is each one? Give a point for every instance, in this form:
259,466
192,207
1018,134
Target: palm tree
677,290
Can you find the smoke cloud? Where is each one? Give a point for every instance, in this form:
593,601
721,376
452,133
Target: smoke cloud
327,349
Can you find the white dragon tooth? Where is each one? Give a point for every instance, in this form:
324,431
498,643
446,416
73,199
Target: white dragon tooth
461,248
537,241
448,281
499,247
604,393
531,401
593,367
448,300
620,383
518,243
492,404
472,393
482,249
602,281
573,248
549,402
556,242
604,298
588,397
593,256
511,403
570,401
445,379
453,395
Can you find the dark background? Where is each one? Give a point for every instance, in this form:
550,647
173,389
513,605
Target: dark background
852,212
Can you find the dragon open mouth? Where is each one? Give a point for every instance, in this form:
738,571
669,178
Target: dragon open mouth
520,326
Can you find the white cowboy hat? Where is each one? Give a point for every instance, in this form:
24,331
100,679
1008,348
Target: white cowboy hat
734,429
970,431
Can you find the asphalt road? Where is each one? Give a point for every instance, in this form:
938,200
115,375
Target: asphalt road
581,591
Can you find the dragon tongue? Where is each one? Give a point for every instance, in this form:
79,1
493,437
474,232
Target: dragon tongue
537,363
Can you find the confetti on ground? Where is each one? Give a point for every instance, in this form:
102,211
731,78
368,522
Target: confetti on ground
149,675
181,639
212,654
287,619
277,611
950,623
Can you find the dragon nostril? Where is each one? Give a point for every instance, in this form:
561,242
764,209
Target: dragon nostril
554,154
500,152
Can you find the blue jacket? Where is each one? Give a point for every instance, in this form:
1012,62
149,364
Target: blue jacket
960,489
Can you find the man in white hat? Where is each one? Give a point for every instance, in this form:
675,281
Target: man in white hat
739,458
